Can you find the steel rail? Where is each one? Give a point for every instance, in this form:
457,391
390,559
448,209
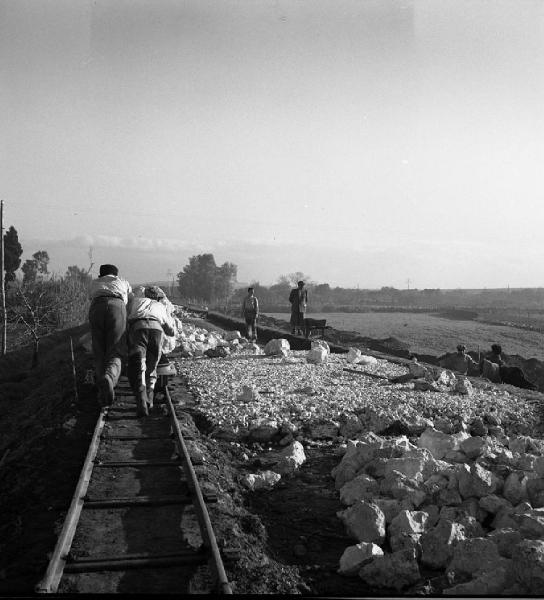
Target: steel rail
52,577
216,563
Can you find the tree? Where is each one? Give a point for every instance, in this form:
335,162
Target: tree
201,279
225,279
36,267
197,280
30,271
42,261
12,253
77,273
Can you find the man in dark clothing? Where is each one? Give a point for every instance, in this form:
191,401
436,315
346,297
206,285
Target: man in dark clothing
495,356
250,312
299,302
107,317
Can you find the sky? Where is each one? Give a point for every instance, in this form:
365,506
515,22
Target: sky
362,142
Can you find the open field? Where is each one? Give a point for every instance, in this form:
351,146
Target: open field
429,334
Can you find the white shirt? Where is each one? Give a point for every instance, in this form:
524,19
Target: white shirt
146,308
110,285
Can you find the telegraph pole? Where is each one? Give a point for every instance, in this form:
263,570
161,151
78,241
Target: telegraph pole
3,281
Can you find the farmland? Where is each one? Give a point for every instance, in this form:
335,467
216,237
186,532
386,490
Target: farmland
429,334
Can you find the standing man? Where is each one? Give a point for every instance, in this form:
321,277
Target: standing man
147,320
299,302
107,317
250,312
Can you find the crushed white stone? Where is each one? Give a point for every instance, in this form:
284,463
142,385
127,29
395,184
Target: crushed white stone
283,384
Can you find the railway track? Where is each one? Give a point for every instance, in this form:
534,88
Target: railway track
138,520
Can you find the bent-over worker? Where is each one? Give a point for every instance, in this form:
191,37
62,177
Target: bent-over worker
148,320
107,317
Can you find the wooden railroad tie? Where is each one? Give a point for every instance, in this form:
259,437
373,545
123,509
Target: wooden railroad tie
137,561
145,501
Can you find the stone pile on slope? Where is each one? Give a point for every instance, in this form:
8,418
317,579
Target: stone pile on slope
469,505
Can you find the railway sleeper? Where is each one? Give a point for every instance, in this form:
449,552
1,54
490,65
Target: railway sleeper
142,560
145,501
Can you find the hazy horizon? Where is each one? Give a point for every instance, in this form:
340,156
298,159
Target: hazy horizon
362,143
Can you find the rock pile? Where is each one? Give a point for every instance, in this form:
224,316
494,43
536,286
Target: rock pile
194,341
471,506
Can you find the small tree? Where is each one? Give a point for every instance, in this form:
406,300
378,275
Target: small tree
12,253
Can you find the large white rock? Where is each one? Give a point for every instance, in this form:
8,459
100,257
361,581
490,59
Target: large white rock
362,487
438,543
409,522
364,521
291,458
277,346
417,463
317,355
476,481
265,480
320,344
358,453
355,557
353,355
397,570
437,442
399,486
367,360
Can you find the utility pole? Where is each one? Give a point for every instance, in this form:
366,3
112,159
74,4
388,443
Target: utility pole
408,283
3,281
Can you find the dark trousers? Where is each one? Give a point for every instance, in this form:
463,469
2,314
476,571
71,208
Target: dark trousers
107,318
297,321
251,325
144,352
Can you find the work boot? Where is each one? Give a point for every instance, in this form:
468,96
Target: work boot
106,391
150,395
141,402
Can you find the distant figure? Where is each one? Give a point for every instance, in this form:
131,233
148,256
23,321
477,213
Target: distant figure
299,302
460,362
250,312
147,320
495,356
107,317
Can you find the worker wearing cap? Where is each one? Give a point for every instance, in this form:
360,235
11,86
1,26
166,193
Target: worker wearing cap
109,295
148,320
